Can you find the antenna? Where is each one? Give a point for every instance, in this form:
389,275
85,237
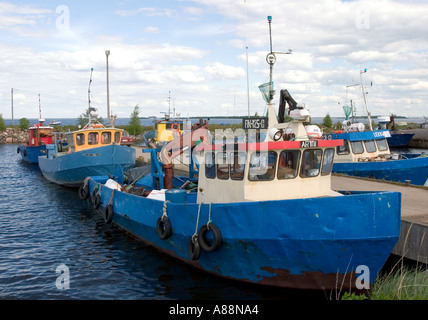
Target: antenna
246,52
271,60
40,109
89,89
365,101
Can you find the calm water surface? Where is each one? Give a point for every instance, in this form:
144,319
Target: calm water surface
43,226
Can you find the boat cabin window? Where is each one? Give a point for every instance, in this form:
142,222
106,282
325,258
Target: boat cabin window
106,138
327,163
343,150
237,166
227,166
370,146
80,139
311,163
382,145
262,166
288,164
210,168
93,138
222,166
357,147
117,137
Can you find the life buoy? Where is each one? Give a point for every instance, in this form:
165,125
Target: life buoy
83,191
193,248
108,214
96,199
163,227
209,246
175,126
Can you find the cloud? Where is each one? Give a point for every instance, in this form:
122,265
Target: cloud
220,71
152,30
196,49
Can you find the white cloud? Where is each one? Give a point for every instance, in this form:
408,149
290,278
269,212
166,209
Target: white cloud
196,49
224,72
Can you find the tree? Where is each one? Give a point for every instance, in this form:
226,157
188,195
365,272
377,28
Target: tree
24,124
83,119
2,124
327,122
134,123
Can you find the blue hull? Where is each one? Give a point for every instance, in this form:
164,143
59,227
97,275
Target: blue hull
315,243
31,154
400,139
414,169
72,169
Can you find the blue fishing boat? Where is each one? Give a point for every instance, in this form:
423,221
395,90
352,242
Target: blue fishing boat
256,212
367,154
256,208
396,140
39,136
94,150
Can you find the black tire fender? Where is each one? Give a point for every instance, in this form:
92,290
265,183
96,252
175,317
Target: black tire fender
194,248
108,214
96,200
163,227
84,191
202,237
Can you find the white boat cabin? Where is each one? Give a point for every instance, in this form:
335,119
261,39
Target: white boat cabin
363,146
287,165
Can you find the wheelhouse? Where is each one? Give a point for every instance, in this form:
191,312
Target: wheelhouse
40,135
265,171
362,146
93,138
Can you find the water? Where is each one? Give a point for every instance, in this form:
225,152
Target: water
43,226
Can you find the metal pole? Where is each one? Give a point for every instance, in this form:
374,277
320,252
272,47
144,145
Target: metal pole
365,101
12,106
12,114
108,90
246,52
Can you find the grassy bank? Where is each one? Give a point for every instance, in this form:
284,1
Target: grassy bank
401,283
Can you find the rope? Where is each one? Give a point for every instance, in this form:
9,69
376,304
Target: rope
165,209
197,221
111,199
209,218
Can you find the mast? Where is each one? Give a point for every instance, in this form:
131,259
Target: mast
365,101
89,89
40,111
246,53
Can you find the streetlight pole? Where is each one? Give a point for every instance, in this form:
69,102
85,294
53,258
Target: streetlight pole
108,91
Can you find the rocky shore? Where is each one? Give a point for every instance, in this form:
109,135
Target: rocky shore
13,136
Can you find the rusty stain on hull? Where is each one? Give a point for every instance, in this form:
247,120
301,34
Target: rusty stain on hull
309,280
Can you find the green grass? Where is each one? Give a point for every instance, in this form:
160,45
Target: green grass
403,283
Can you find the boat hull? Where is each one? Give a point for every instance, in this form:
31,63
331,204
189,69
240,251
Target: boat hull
71,169
414,169
316,243
399,139
31,154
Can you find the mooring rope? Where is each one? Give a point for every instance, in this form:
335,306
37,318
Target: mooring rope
165,209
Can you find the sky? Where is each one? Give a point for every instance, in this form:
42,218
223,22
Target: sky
191,56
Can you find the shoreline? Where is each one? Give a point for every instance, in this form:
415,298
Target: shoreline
17,136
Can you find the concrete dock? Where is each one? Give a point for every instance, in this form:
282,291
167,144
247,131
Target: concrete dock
413,242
